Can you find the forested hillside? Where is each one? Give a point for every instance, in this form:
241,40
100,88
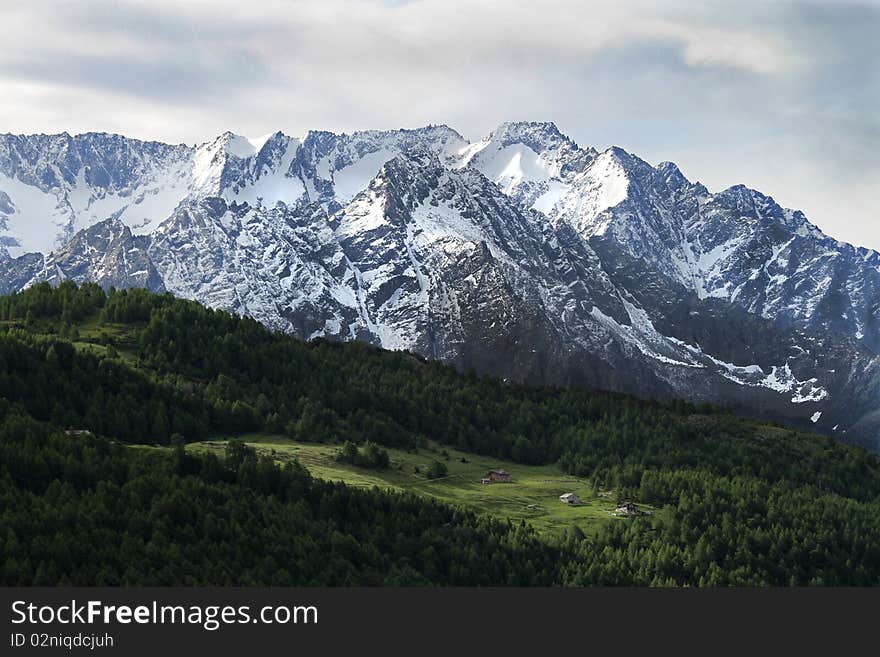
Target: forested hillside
740,502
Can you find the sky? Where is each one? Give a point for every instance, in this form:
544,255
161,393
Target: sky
781,96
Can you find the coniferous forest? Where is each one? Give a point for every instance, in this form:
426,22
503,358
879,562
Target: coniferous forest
88,376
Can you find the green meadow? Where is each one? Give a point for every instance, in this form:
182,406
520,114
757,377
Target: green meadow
533,495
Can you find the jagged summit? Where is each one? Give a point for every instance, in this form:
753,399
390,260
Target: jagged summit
242,147
537,132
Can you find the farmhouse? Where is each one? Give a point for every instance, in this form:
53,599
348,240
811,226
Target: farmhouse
496,476
627,509
569,498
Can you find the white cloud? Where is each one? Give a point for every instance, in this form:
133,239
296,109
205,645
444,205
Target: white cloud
732,91
751,51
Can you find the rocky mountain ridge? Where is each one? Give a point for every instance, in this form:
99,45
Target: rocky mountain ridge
522,255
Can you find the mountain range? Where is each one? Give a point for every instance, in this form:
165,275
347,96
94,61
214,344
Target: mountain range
522,255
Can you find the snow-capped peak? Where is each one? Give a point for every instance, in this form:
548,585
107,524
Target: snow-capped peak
525,131
531,161
240,147
543,139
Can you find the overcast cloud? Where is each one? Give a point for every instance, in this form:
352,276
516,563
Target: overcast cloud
781,96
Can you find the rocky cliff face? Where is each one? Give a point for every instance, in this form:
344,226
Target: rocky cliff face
522,255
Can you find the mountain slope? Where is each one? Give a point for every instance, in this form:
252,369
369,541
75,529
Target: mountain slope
738,245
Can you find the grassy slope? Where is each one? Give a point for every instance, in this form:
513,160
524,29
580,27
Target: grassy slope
92,335
532,496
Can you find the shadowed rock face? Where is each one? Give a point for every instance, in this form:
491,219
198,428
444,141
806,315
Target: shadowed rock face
523,255
106,253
